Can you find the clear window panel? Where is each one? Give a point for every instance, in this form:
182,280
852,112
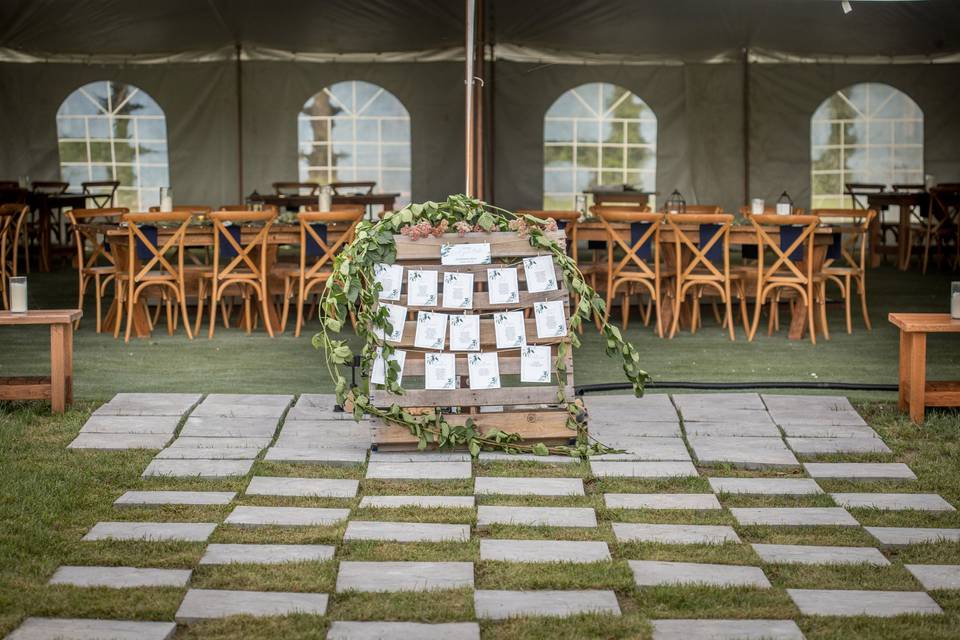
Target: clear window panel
368,155
558,131
588,155
368,130
99,127
71,128
558,181
396,156
395,130
557,156
152,129
588,131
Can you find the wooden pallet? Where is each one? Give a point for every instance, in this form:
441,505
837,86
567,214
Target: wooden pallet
530,410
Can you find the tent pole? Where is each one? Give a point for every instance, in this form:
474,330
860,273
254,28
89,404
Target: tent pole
746,126
239,83
471,11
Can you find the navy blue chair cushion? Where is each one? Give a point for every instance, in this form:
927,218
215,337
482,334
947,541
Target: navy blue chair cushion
707,231
597,245
835,250
314,250
637,229
143,251
789,235
227,250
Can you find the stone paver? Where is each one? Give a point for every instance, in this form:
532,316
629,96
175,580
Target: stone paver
654,407
120,577
333,456
188,531
828,431
537,516
419,456
860,470
893,501
788,402
141,498
726,630
620,427
499,456
229,427
842,602
936,576
810,554
748,400
285,516
902,536
674,533
859,444
255,399
148,404
220,443
499,605
644,448
208,604
661,501
808,416
544,550
651,573
746,452
340,630
207,453
404,576
735,416
765,486
643,469
732,429
528,486
425,502
313,487
425,471
110,441
131,424
405,531
794,516
91,629
207,409
201,468
324,434
266,553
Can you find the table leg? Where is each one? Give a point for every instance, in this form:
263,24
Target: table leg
58,391
904,376
903,248
918,376
875,242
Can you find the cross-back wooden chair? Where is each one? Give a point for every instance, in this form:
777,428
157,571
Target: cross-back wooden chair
296,188
640,264
703,266
50,187
364,187
149,266
195,209
791,269
943,222
846,261
99,265
238,264
12,221
101,192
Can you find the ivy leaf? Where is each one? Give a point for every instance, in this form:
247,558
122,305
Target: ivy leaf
540,449
474,448
486,221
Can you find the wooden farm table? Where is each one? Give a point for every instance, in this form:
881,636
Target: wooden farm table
44,204
294,202
908,203
915,392
636,198
58,387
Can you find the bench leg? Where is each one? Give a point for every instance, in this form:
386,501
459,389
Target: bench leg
918,376
904,377
58,377
68,363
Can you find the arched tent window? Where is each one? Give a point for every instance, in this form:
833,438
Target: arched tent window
869,133
113,131
355,131
597,134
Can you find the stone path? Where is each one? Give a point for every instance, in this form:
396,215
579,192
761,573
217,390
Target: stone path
404,576
529,486
893,501
200,468
285,516
726,630
426,502
406,531
607,469
425,471
795,516
675,533
208,604
340,630
765,486
86,629
314,487
120,577
651,573
697,501
187,531
544,550
497,605
851,602
936,576
902,536
860,470
140,498
537,516
266,553
811,554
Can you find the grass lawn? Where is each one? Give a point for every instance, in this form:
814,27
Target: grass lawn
51,496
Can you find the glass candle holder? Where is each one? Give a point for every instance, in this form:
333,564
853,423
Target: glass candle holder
18,294
955,300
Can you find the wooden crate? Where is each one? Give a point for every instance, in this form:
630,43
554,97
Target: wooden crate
530,410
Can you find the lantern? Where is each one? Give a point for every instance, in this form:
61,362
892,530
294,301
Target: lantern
676,203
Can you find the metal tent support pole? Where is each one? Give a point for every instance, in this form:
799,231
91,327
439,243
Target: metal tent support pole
239,63
468,81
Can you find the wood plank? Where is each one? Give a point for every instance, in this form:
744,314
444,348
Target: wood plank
41,316
488,337
502,244
25,388
532,426
904,373
918,375
479,271
481,302
942,393
470,397
58,374
925,322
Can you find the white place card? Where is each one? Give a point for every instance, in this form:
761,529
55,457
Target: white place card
484,369
464,332
535,364
390,277
502,285
471,253
458,290
440,371
540,274
551,319
510,329
422,288
379,373
431,330
396,317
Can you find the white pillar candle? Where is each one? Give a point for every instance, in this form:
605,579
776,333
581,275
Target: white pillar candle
756,206
18,295
955,300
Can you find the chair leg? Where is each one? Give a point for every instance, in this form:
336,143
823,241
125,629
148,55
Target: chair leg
625,307
98,301
83,288
810,318
214,303
822,297
728,316
118,321
675,321
926,251
248,321
130,301
201,294
862,286
286,305
301,292
169,313
847,299
757,307
263,305
183,311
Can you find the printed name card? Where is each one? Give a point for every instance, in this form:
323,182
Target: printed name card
422,288
431,330
390,277
379,373
458,290
396,317
540,274
509,329
440,371
464,332
484,369
535,364
502,285
471,253
551,319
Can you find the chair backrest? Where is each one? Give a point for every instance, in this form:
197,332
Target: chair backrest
711,252
703,209
195,209
144,247
909,188
858,190
944,206
314,243
365,187
240,255
855,225
101,192
50,187
295,188
12,217
793,249
81,236
644,245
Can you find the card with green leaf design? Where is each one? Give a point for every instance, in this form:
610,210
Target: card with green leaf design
458,290
440,371
431,330
551,319
422,288
540,274
502,285
464,332
390,277
396,317
510,329
535,363
378,375
484,369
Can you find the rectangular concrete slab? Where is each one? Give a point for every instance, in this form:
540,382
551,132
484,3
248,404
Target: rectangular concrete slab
859,444
652,573
209,604
312,487
425,471
810,554
544,550
207,409
256,399
732,429
266,553
615,469
902,536
324,434
332,456
828,431
623,427
798,402
184,531
419,456
860,470
424,502
120,577
91,629
936,576
794,516
537,516
405,531
285,516
674,533
881,604
500,605
818,417
220,443
384,577
746,400
720,414
208,453
697,501
146,498
528,486
765,486
649,408
342,630
499,456
115,441
893,501
229,427
131,424
148,404
198,468
644,448
726,630
744,452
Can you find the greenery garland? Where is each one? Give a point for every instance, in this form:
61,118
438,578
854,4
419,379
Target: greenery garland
353,292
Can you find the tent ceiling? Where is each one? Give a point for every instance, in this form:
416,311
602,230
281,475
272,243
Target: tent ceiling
676,29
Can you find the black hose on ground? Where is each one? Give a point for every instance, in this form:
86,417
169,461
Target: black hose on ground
726,386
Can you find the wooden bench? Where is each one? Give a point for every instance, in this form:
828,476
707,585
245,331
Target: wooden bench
915,392
58,387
